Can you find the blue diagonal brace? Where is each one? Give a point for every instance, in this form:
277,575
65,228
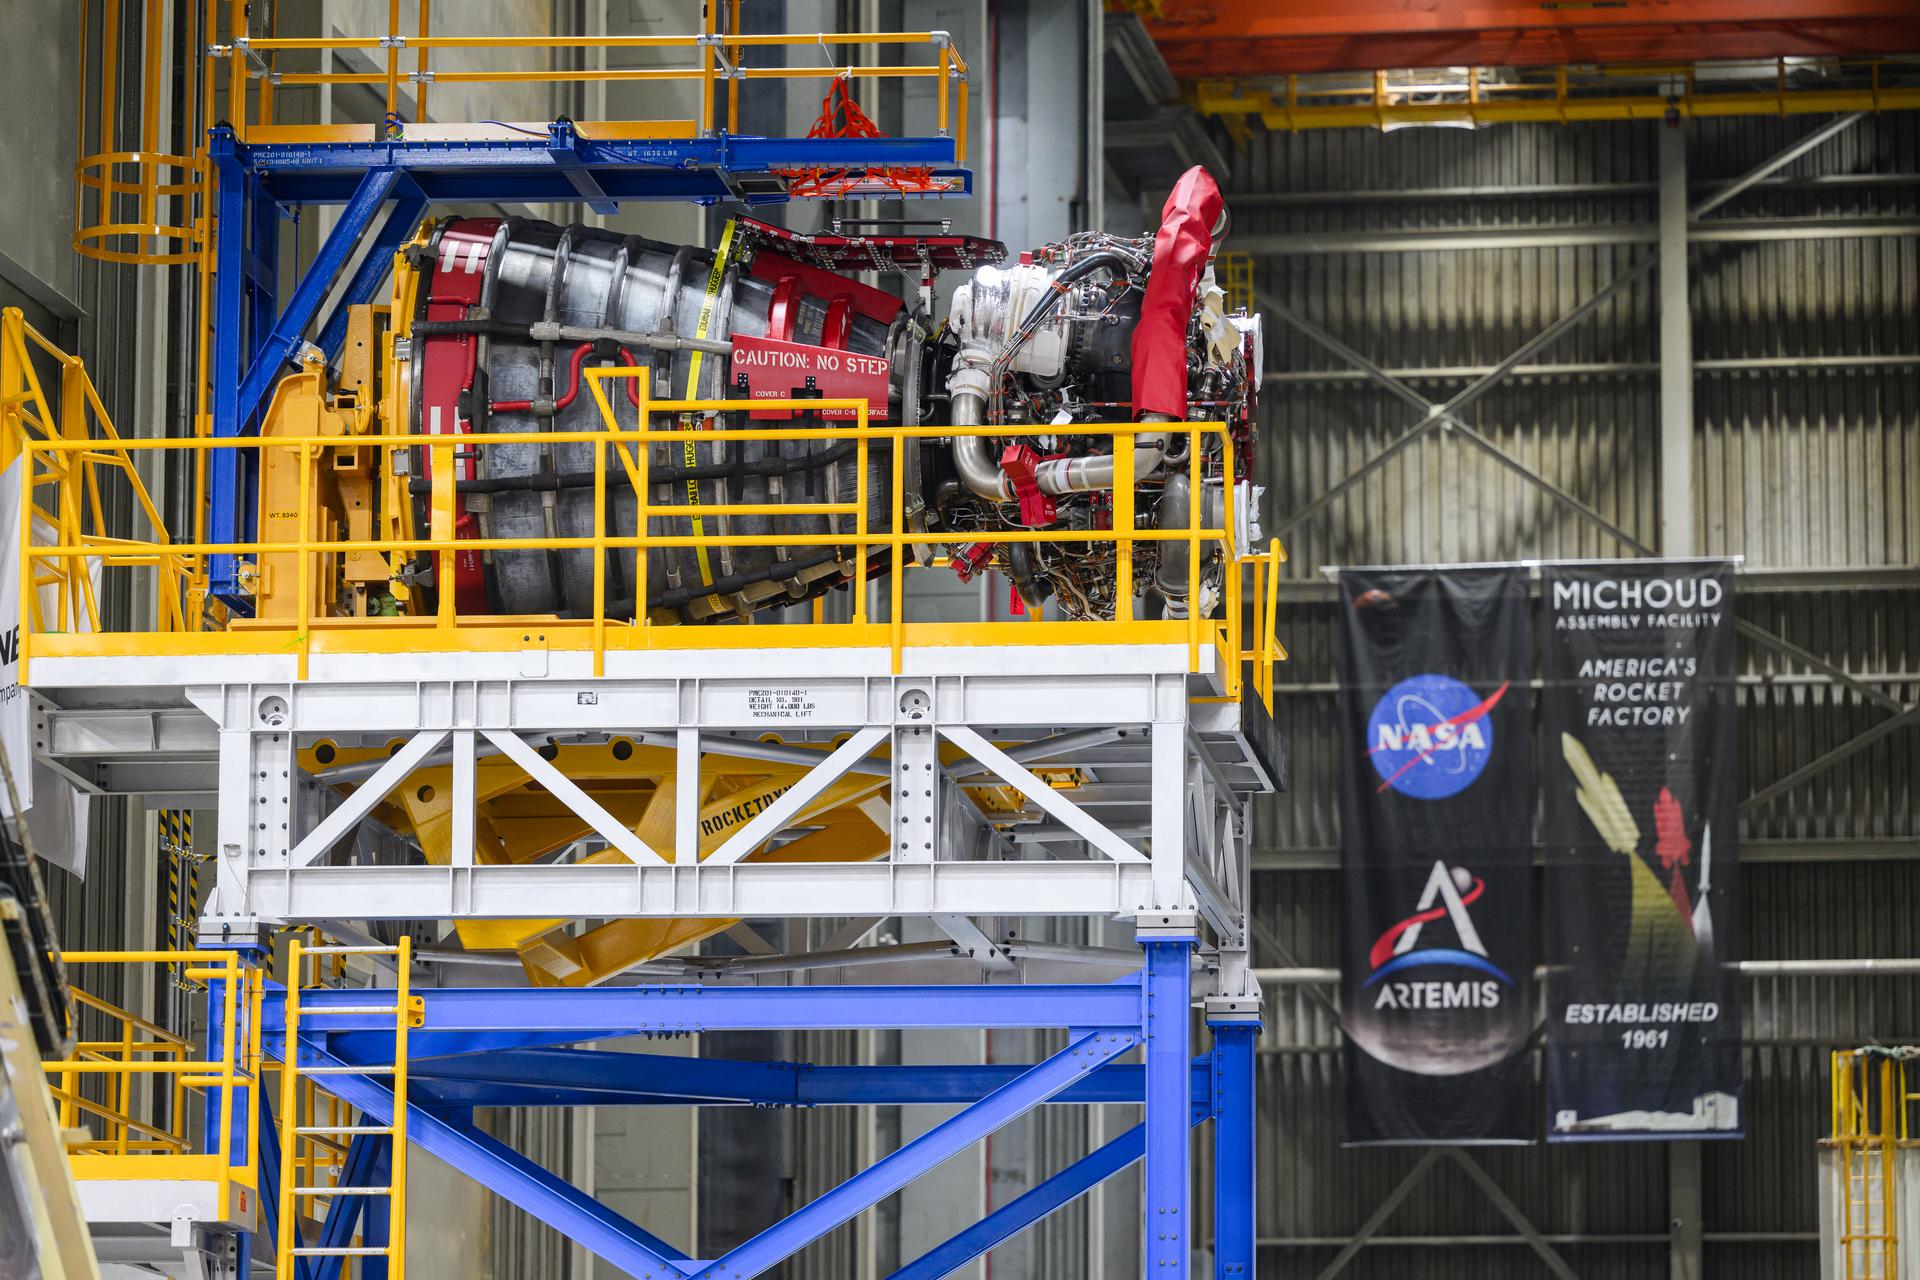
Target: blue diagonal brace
585,1077
272,352
563,144
1011,1219
507,1173
359,1169
1086,1054
268,1151
408,205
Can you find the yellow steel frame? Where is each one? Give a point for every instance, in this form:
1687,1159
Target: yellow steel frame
129,1147
1872,1101
311,628
62,489
1554,95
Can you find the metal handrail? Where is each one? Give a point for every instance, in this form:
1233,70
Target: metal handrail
445,627
61,487
134,1147
717,54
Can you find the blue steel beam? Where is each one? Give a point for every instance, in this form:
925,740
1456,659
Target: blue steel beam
377,1046
641,1079
1086,1054
591,1011
1234,1167
1168,1024
550,185
401,219
733,154
276,347
507,1173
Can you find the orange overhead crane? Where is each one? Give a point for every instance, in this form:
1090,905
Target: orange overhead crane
1239,38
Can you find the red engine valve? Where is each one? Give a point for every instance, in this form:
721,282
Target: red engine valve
970,559
1036,508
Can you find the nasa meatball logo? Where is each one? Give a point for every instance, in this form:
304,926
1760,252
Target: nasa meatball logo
1431,736
1433,1001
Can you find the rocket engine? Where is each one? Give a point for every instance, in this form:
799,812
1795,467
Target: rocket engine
502,315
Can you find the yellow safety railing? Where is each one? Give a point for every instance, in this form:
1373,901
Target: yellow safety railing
121,1142
714,58
314,628
1267,649
65,488
1474,96
1872,1100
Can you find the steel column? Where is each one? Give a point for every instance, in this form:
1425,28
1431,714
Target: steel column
1676,350
1234,1143
277,345
1167,1019
227,362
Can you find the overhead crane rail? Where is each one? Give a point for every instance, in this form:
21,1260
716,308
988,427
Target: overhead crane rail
1473,97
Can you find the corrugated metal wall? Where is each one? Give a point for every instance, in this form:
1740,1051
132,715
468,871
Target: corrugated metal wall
1811,466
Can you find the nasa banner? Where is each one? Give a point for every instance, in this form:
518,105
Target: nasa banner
1435,834
1643,1017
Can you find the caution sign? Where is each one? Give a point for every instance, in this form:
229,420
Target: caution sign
774,370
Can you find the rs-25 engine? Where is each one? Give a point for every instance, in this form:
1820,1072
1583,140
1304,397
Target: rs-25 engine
500,317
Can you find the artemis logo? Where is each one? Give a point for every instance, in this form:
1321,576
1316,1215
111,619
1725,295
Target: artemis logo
1449,892
1431,736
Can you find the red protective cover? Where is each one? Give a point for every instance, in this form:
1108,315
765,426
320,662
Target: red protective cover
775,369
1180,254
447,369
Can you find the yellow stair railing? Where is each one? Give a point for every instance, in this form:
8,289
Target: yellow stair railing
64,490
302,1144
1871,1101
125,1130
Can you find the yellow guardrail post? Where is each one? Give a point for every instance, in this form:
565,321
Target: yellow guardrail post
303,571
1196,504
1123,521
897,524
600,556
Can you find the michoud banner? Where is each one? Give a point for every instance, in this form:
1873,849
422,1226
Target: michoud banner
1435,819
1642,1026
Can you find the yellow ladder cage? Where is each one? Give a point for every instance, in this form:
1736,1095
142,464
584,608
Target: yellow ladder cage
1873,1097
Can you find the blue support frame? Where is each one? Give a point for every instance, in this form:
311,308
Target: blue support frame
1167,1017
487,1046
1234,1146
254,337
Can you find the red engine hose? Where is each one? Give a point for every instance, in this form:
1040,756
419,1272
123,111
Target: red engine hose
574,365
1180,253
